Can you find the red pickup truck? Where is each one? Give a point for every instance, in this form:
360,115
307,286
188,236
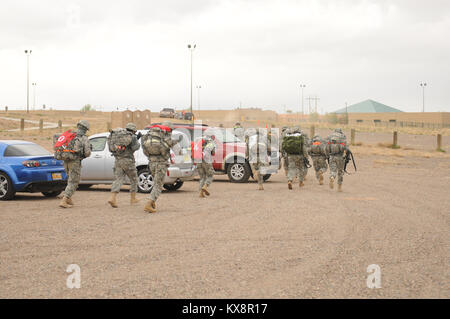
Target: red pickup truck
229,157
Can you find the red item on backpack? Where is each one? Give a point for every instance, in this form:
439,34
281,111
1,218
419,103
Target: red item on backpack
64,139
162,127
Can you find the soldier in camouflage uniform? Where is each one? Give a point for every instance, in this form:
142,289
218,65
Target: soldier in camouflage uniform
238,131
296,162
82,150
335,150
205,167
308,145
125,166
284,160
319,157
257,156
158,165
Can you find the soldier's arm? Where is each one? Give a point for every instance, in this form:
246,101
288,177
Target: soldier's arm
86,147
134,144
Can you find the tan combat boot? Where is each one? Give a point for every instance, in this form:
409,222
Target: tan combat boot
205,190
261,187
112,201
64,203
290,185
301,184
320,178
69,201
133,199
339,187
150,207
331,182
202,193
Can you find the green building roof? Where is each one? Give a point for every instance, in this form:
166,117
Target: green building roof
368,106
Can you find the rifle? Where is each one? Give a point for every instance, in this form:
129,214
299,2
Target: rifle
139,135
306,162
348,156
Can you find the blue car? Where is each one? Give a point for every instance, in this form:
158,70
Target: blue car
27,167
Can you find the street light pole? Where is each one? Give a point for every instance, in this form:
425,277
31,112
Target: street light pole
28,53
423,85
191,48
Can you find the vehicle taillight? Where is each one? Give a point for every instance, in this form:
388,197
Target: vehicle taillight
31,163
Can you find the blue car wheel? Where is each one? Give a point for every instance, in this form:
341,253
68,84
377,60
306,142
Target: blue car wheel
6,187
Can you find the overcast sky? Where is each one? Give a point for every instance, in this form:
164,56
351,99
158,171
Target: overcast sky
250,52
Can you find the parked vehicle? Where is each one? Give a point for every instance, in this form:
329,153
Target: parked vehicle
98,168
188,116
229,157
28,167
167,112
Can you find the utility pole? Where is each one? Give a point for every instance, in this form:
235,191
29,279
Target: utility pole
191,48
423,85
28,53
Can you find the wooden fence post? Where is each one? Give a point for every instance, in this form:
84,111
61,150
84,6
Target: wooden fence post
352,134
22,124
439,143
312,131
59,124
6,109
395,139
41,125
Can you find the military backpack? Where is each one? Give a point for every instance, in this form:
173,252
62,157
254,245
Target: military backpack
153,142
119,140
293,143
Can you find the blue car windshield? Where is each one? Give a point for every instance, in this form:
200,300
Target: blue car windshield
25,150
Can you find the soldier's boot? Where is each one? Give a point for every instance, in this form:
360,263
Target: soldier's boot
70,201
339,187
285,172
202,193
261,187
290,185
331,182
205,190
301,184
133,199
320,178
113,200
150,207
64,203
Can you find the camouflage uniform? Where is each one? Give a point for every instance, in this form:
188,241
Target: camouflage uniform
296,163
256,159
284,157
205,168
318,156
336,154
308,145
238,131
158,165
82,149
125,165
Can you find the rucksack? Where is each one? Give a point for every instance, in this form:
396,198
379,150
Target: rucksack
65,146
119,140
293,143
317,147
336,143
153,142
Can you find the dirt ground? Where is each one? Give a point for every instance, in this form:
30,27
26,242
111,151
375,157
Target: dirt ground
241,243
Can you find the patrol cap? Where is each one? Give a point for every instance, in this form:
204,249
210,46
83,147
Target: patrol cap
84,123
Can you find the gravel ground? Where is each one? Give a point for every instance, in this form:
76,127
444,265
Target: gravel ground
240,243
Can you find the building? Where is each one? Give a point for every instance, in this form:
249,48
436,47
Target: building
368,106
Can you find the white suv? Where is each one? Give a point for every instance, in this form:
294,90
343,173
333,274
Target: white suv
98,168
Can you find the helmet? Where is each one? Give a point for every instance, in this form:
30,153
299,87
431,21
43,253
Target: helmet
131,127
168,124
84,123
316,138
237,123
338,130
